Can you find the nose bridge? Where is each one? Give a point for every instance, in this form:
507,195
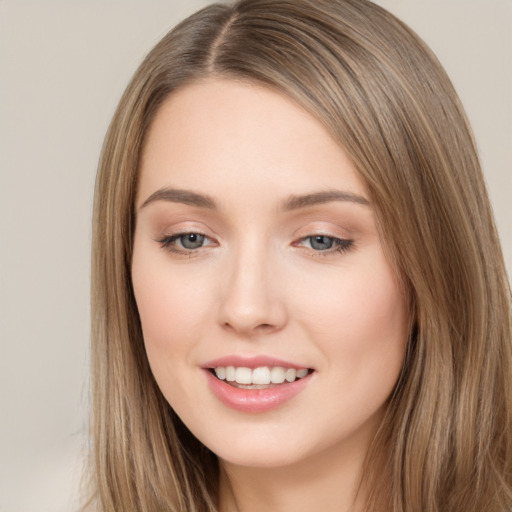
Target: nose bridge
251,299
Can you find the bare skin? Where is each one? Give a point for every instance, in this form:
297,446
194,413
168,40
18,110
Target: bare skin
255,237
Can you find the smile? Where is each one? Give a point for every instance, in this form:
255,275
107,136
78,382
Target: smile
258,378
259,389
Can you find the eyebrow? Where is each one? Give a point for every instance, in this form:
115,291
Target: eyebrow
294,202
174,195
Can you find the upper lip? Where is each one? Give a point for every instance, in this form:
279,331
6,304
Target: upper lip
252,362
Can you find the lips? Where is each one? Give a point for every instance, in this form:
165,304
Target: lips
256,384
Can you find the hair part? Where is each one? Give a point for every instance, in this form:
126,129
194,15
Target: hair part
445,443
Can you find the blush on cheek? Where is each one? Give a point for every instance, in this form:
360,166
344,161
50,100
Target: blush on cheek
160,316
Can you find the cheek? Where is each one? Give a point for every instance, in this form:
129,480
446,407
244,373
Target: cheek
169,306
352,303
359,320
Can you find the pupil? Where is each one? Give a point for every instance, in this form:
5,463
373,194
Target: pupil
321,243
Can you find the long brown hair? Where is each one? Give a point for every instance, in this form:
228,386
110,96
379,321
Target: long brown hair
446,441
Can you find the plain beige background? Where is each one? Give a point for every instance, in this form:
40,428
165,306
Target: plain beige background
63,66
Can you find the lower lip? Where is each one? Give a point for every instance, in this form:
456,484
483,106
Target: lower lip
255,400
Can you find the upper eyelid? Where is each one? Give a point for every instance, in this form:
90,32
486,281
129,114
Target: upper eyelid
332,232
181,232
169,231
316,228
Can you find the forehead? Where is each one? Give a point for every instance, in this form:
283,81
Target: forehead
221,134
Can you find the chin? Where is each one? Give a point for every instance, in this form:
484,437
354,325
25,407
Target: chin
259,451
260,458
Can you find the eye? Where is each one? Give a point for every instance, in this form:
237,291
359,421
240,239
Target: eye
185,242
321,242
326,244
191,240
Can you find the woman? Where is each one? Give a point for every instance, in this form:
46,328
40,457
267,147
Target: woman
299,297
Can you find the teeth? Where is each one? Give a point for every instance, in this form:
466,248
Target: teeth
290,375
277,375
260,376
243,375
301,373
220,372
230,373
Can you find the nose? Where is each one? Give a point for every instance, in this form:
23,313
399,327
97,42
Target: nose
252,295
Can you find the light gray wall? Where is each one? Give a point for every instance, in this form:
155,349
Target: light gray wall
63,66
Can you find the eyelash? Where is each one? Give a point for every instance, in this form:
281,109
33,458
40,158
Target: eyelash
339,245
168,243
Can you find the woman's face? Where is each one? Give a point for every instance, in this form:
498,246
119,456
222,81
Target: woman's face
257,256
